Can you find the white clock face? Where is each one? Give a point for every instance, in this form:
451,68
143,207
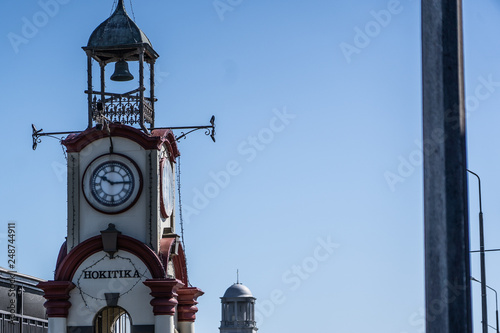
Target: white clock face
112,183
167,188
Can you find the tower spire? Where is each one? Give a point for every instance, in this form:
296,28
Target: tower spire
237,276
120,6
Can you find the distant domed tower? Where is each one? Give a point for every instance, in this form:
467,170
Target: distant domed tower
238,310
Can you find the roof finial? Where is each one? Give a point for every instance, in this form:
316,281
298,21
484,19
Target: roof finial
237,276
120,6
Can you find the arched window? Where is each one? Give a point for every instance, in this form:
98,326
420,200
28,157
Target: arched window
112,319
242,311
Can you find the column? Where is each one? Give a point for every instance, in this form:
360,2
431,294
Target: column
223,312
252,310
57,295
236,318
186,309
447,271
164,292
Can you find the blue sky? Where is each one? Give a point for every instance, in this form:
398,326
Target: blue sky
318,108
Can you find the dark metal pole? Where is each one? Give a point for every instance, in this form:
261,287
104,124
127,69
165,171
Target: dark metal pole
484,306
447,270
89,84
496,301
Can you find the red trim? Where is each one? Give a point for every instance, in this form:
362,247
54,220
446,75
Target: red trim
164,292
57,295
187,303
170,141
82,251
62,253
76,142
180,266
165,247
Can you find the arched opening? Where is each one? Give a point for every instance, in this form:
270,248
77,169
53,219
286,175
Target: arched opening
112,319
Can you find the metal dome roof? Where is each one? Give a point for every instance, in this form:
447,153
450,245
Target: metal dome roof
238,290
118,29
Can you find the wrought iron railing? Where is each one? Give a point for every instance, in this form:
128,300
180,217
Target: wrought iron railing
239,323
124,108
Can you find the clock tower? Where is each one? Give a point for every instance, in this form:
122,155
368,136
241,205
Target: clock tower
122,267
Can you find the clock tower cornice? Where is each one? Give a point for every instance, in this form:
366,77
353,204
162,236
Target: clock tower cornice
77,142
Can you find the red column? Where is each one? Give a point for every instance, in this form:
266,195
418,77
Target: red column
57,295
164,292
187,303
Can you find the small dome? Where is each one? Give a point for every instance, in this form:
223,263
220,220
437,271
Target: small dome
238,290
118,29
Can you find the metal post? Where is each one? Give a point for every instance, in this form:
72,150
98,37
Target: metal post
141,92
152,91
484,306
89,88
447,270
496,301
103,88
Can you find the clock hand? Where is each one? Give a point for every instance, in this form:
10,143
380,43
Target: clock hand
106,179
110,181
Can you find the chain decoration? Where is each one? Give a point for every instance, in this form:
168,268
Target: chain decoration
83,294
150,202
73,210
132,9
180,211
112,7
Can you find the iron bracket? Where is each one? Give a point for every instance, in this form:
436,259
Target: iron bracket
209,129
37,134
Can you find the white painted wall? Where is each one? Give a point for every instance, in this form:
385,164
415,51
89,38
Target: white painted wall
143,221
88,297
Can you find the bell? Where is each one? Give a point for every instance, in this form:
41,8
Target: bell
121,72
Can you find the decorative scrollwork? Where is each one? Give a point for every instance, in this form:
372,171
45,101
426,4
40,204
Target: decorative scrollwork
209,130
36,136
124,109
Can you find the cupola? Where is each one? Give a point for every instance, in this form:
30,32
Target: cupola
119,40
238,310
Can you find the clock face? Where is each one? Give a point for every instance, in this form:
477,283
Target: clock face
112,183
167,188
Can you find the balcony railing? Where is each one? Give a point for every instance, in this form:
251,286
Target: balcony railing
124,108
239,323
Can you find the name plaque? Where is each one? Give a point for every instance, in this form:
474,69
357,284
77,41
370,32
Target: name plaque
115,274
